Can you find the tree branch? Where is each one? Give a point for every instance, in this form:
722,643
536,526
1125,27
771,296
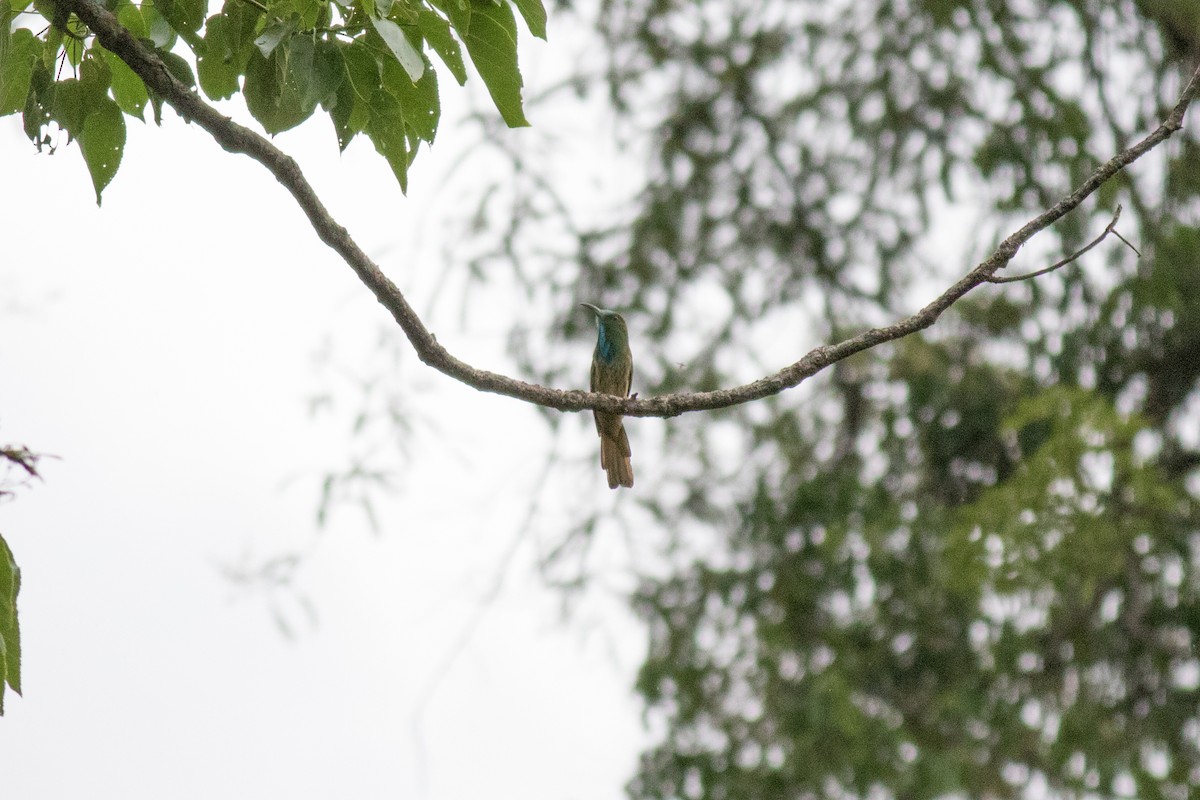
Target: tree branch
239,139
1110,228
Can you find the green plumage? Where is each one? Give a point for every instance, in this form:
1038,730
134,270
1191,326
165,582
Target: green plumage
612,373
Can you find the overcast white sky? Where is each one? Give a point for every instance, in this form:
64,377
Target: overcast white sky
162,347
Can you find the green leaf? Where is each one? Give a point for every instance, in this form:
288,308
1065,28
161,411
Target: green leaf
103,142
6,18
279,90
131,17
228,40
74,46
36,114
459,15
275,33
179,67
3,672
309,12
244,21
492,44
10,629
70,106
16,69
352,110
182,71
386,130
217,69
158,30
408,56
328,73
535,16
185,16
349,114
362,69
436,30
51,41
127,88
418,102
95,73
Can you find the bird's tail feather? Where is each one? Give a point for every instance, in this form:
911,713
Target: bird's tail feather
614,459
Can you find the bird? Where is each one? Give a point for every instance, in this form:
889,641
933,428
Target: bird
612,373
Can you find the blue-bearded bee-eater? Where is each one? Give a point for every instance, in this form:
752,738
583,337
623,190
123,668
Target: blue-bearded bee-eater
612,373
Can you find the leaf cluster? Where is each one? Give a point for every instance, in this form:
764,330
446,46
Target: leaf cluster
367,64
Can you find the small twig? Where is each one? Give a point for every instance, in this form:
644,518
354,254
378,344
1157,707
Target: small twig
23,457
1127,242
1111,228
13,456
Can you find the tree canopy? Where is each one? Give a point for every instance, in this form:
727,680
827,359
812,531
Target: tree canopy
366,63
964,563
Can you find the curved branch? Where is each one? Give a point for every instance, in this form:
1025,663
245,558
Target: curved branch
1110,228
239,139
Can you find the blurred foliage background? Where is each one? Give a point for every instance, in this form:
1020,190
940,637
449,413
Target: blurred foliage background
966,564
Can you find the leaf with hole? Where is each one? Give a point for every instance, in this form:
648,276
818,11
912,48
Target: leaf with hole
408,56
127,88
103,142
492,43
436,30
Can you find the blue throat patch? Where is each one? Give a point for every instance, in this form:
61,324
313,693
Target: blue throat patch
604,346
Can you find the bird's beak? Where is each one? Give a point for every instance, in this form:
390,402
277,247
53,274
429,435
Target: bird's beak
595,310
